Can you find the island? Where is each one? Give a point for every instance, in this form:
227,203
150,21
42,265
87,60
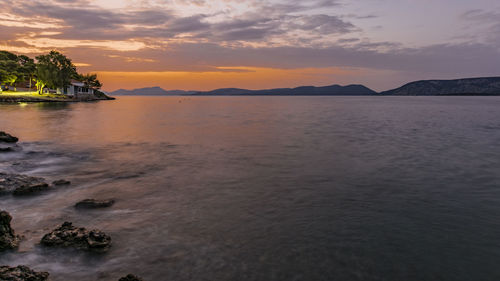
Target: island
51,78
484,86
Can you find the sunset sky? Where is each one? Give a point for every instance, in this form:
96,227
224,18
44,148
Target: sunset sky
203,45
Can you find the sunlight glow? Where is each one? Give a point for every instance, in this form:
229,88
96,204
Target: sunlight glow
129,45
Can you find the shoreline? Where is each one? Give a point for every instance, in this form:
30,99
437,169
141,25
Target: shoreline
33,99
64,235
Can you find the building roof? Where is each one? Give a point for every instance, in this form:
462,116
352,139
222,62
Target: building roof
77,83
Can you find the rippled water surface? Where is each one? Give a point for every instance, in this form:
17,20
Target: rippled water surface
264,188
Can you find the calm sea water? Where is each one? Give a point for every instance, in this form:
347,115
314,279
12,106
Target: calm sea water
264,188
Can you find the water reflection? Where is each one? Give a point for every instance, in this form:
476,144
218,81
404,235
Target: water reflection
52,105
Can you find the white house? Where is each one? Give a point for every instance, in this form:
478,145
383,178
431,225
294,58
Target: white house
77,88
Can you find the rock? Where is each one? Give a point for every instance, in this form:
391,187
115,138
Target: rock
94,204
10,182
6,149
8,239
61,182
4,137
130,277
22,273
30,189
68,235
9,147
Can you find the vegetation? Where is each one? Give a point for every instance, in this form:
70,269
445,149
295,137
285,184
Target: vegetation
53,70
90,80
9,68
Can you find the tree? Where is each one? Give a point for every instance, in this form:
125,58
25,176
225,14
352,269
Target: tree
8,68
27,68
90,80
4,56
54,70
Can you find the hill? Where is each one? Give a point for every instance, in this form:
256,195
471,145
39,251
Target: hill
151,91
488,86
334,90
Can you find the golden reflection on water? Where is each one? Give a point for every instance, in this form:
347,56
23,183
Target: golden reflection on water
224,121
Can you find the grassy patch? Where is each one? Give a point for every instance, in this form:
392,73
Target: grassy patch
32,94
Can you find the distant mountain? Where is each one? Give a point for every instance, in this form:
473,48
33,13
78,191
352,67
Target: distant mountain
152,91
334,90
489,86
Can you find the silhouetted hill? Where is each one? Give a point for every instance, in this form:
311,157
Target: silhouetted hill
152,91
334,90
489,86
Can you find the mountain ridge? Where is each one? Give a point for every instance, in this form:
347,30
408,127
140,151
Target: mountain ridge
485,86
481,86
331,90
150,91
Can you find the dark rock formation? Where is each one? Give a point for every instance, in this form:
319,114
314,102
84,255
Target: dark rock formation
10,182
94,204
30,189
460,87
68,235
7,142
4,137
130,277
61,182
6,149
21,273
8,239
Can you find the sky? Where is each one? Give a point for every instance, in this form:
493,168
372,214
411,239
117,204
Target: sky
259,44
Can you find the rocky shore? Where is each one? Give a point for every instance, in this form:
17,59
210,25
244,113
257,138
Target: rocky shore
94,204
68,235
8,239
65,236
22,273
8,143
19,185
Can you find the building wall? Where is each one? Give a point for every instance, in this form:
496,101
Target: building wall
76,90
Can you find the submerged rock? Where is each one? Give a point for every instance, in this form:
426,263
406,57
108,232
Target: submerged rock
6,149
61,182
10,182
94,204
68,235
4,137
130,277
30,189
22,273
8,239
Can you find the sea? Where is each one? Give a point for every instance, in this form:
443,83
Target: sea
263,188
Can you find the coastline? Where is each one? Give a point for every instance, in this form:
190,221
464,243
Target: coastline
31,98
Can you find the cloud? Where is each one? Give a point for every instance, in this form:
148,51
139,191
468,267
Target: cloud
85,21
488,23
322,24
197,36
438,60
